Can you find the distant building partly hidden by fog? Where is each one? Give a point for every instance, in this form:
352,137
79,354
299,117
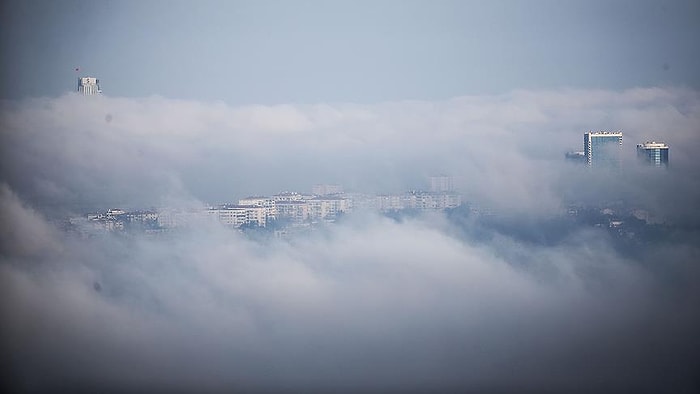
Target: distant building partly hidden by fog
441,184
89,86
603,148
286,210
576,157
653,153
258,210
325,189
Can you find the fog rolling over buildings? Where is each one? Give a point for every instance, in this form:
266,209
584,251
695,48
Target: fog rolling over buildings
255,208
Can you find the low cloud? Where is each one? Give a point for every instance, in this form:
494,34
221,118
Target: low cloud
62,150
369,304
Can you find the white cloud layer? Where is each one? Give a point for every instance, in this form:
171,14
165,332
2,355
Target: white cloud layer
372,304
128,151
369,304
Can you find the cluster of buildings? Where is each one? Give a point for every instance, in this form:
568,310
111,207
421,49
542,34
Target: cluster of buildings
325,204
328,202
417,200
604,149
116,220
287,207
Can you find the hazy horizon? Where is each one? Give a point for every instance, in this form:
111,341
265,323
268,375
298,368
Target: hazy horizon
308,52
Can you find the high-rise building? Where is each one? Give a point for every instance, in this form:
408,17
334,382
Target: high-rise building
89,86
603,148
653,153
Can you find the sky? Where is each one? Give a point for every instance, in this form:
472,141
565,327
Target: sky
205,103
273,52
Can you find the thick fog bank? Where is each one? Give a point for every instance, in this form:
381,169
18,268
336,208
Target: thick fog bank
511,298
371,304
73,153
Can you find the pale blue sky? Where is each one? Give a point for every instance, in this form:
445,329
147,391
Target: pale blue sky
271,52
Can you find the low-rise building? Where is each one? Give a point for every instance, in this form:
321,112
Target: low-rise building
268,204
327,208
239,215
296,211
326,189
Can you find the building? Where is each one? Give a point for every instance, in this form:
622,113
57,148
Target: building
268,204
441,184
428,200
228,215
447,200
296,211
603,148
390,202
324,190
89,86
239,215
290,196
417,199
361,201
653,153
327,208
177,218
576,157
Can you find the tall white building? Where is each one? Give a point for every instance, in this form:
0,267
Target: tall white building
603,148
89,86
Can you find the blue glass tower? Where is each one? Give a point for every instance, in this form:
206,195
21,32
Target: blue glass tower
653,153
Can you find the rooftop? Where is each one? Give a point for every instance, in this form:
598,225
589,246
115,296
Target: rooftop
652,145
605,133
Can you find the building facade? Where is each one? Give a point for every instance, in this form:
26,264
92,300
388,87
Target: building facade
441,184
269,205
89,86
603,148
576,157
239,215
296,211
327,208
653,153
326,189
391,202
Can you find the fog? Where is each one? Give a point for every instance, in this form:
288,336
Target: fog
87,149
421,303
